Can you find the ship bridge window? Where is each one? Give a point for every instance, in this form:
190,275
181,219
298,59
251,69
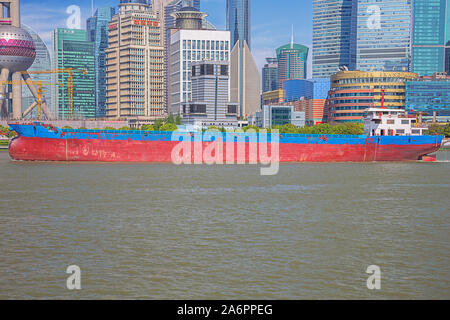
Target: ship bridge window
405,121
390,121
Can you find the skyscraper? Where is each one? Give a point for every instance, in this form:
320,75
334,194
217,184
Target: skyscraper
210,104
42,62
135,65
165,9
97,27
245,78
71,49
384,35
270,75
431,32
189,43
447,58
334,36
238,21
292,59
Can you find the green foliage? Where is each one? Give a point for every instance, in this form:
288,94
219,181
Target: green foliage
324,128
168,127
178,120
125,128
170,119
148,127
436,129
67,127
158,124
447,130
247,128
214,129
4,142
110,128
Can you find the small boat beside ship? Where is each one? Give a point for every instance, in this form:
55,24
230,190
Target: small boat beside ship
390,135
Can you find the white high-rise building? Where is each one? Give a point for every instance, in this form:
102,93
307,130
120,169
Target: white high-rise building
191,45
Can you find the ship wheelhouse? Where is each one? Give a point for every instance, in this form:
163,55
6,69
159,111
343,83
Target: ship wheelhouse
391,122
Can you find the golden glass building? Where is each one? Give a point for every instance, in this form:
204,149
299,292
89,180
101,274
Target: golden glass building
135,65
352,92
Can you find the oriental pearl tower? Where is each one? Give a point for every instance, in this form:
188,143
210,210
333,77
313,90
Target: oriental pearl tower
17,54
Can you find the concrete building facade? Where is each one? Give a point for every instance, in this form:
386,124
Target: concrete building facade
245,80
186,47
135,65
353,92
210,104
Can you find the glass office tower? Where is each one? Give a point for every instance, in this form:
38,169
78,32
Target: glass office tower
384,35
431,33
71,49
334,36
238,21
270,75
97,27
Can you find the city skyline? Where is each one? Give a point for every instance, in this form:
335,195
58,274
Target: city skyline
270,28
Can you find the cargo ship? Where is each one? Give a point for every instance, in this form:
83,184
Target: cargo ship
389,136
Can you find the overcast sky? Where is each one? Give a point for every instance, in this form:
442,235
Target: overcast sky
271,20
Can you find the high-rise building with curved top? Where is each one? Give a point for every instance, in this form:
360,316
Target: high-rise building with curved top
292,59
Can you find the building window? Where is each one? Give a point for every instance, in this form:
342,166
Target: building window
223,70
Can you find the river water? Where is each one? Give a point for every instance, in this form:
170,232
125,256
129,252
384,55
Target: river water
225,232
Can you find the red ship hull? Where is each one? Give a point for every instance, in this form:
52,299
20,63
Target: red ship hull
45,149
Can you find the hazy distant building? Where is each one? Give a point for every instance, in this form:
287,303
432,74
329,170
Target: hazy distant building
97,27
189,44
334,36
42,62
72,49
270,75
135,65
210,104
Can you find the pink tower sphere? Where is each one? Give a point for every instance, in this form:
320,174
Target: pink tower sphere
17,49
